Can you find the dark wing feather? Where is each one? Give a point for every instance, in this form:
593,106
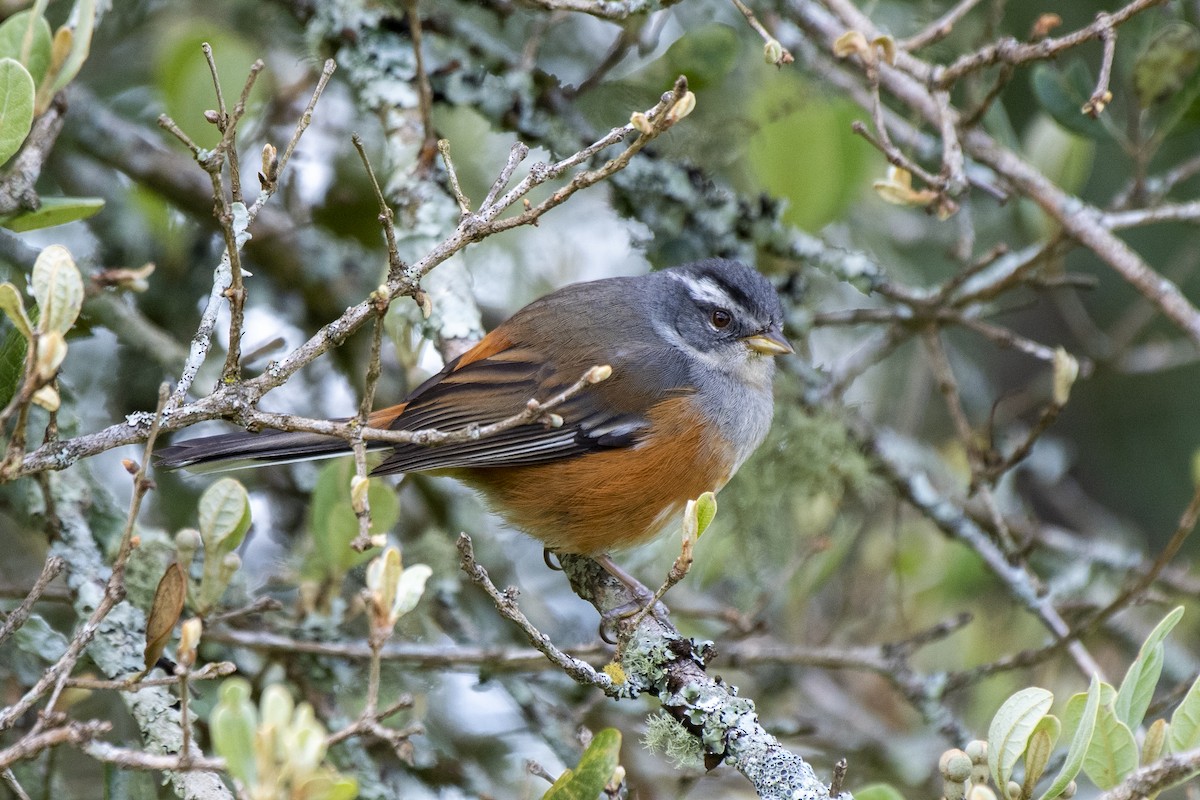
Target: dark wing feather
489,390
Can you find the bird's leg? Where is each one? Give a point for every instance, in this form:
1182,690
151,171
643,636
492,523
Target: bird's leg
642,596
640,591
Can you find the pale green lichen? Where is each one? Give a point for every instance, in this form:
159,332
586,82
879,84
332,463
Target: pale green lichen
665,734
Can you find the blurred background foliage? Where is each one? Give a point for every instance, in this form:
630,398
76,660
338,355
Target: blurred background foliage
810,546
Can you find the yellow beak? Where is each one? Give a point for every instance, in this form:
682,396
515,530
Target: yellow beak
769,343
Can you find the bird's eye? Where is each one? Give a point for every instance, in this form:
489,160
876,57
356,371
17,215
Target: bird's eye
721,318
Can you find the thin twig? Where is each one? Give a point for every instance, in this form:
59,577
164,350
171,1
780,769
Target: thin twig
580,671
14,785
938,29
152,762
464,203
16,618
387,216
779,54
1101,96
424,90
36,741
1010,51
305,120
210,671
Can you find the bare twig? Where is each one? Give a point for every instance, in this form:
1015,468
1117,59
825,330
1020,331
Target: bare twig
32,743
777,53
211,671
421,656
506,604
1101,96
938,29
424,91
16,618
1010,51
464,203
151,762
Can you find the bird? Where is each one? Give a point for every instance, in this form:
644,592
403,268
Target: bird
692,355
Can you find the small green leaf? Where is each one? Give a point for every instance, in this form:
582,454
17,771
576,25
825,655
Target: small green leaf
16,107
53,211
1133,698
1081,710
1037,754
13,307
333,525
13,349
1155,743
1185,722
1009,733
820,180
878,791
343,788
57,288
26,38
232,725
83,18
1062,92
1113,753
224,517
595,769
706,509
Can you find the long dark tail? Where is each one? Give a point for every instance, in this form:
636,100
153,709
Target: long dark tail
236,450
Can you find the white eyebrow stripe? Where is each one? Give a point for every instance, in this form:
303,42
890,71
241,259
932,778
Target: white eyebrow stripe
707,290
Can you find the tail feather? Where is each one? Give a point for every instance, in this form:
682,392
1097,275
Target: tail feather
236,450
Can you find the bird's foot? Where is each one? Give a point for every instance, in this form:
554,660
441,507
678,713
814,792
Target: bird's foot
643,598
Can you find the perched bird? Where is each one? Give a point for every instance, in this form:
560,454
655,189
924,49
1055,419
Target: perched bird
691,350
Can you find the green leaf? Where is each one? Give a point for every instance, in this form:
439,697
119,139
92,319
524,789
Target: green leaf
1113,753
83,17
878,791
57,288
595,769
224,517
16,107
53,211
1185,722
1081,710
1039,750
1009,733
343,788
706,509
26,38
824,177
1137,689
1155,743
232,725
333,525
706,54
13,306
1169,59
13,349
1062,92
